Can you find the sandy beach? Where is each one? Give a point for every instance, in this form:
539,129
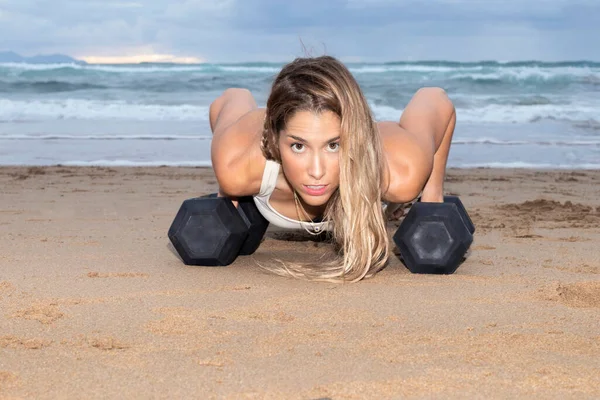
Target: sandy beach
95,304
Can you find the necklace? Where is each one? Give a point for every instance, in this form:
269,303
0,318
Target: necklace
313,231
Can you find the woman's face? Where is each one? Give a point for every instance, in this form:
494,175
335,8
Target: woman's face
309,147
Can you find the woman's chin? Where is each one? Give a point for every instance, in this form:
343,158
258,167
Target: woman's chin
315,201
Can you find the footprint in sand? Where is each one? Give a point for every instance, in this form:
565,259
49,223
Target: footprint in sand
43,313
6,289
107,344
578,295
104,343
117,275
8,379
13,342
579,269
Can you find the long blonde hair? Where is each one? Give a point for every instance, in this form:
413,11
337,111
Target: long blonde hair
359,235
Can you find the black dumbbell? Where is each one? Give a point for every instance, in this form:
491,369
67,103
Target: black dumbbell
462,211
257,225
434,237
211,231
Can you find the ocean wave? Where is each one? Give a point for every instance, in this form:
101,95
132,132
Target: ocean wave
378,69
124,68
102,137
533,100
133,163
500,142
145,68
508,113
526,165
39,67
583,115
50,86
531,113
164,85
529,73
36,110
232,68
466,70
501,64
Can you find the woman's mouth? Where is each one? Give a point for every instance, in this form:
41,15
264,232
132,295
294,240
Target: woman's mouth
315,190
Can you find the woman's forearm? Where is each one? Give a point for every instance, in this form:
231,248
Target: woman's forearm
433,191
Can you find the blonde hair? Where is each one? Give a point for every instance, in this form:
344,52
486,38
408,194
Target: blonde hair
359,234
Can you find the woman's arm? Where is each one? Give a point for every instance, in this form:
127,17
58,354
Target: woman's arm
417,147
236,157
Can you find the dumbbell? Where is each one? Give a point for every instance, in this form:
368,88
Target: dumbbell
211,231
434,237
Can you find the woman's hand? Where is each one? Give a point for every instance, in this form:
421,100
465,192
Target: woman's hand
233,199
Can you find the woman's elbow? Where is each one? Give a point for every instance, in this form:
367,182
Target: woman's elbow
436,95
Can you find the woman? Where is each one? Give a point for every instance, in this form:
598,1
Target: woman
316,154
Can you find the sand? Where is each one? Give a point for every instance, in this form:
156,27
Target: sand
94,303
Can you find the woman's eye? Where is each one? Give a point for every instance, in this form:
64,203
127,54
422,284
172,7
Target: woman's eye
297,147
334,146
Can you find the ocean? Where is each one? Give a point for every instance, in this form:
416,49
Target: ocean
515,114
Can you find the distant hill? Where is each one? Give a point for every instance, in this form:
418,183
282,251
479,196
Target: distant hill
12,57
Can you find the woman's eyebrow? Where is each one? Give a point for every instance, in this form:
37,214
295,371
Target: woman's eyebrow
299,139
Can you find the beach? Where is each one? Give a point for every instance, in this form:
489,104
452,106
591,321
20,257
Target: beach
94,303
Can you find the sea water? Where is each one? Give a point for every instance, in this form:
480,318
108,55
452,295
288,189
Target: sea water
517,114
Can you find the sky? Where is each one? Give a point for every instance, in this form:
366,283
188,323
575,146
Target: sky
279,30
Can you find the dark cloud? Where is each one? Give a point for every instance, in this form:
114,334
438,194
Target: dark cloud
272,30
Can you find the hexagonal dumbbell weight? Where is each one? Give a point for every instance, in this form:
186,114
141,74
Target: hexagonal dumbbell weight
434,237
257,224
462,211
211,231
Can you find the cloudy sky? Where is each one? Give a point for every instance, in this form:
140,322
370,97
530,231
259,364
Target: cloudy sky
276,30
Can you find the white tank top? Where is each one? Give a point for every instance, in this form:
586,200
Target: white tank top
269,181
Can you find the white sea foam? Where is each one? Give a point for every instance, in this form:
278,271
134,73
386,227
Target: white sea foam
143,69
479,72
39,67
519,164
507,113
500,142
59,109
235,68
531,113
130,163
133,136
36,110
377,69
472,71
150,68
523,73
104,68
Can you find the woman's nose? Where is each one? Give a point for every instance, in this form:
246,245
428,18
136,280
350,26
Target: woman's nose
316,168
